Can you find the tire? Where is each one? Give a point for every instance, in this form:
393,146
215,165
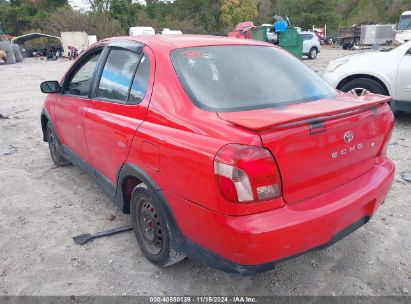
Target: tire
55,149
151,228
17,53
361,86
313,53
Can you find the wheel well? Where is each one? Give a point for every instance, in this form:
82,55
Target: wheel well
352,77
44,121
127,187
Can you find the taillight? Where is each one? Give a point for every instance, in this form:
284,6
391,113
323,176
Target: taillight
247,174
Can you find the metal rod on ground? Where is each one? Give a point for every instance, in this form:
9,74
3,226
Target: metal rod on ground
86,237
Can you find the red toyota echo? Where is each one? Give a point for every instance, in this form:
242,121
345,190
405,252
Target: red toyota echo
228,151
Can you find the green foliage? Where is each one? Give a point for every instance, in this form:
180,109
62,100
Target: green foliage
306,13
382,11
125,12
236,11
115,17
19,15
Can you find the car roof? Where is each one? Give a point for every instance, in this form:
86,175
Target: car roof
170,42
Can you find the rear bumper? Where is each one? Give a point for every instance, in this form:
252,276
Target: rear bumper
253,243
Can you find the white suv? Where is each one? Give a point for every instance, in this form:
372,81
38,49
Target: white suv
311,44
384,72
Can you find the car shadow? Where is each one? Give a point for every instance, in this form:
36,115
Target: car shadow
403,117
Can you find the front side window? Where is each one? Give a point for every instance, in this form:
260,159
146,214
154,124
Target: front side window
237,78
405,23
79,83
117,75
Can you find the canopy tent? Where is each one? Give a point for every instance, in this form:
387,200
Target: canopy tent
23,38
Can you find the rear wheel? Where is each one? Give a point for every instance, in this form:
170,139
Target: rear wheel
150,227
363,86
313,53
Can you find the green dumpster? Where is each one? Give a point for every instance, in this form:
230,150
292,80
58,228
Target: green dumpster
292,42
260,33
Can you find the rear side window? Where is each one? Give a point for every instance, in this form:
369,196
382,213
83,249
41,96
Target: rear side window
117,75
307,36
140,83
237,78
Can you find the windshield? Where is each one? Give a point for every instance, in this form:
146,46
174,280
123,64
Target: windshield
405,23
236,78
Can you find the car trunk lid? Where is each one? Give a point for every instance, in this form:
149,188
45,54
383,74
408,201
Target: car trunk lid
322,144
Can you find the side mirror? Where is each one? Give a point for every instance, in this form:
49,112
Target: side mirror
50,87
408,52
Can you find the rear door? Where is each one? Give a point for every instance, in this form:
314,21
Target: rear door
404,78
307,42
122,96
73,103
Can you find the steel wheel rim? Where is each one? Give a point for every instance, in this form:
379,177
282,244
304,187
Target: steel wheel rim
314,54
358,91
150,226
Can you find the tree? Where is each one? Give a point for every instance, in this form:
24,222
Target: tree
204,16
266,10
236,11
306,13
99,6
125,12
67,20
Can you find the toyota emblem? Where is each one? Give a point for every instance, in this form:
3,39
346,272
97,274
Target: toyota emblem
348,136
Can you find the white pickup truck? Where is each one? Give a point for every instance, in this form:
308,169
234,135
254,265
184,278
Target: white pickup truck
404,28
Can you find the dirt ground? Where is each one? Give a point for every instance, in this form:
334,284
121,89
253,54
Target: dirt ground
42,207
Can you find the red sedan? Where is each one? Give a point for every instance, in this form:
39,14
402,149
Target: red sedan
228,151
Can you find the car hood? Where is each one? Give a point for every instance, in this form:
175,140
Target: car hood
362,56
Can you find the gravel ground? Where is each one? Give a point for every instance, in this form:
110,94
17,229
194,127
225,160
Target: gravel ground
42,207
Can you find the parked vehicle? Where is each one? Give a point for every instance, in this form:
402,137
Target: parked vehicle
75,40
321,34
350,36
167,31
403,33
385,72
311,44
233,162
142,31
366,34
242,30
380,34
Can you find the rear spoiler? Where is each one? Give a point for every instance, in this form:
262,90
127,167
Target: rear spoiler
342,104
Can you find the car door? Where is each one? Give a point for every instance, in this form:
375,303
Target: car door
306,43
72,104
122,96
404,78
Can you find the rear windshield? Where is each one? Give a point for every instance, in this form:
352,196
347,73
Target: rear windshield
237,78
